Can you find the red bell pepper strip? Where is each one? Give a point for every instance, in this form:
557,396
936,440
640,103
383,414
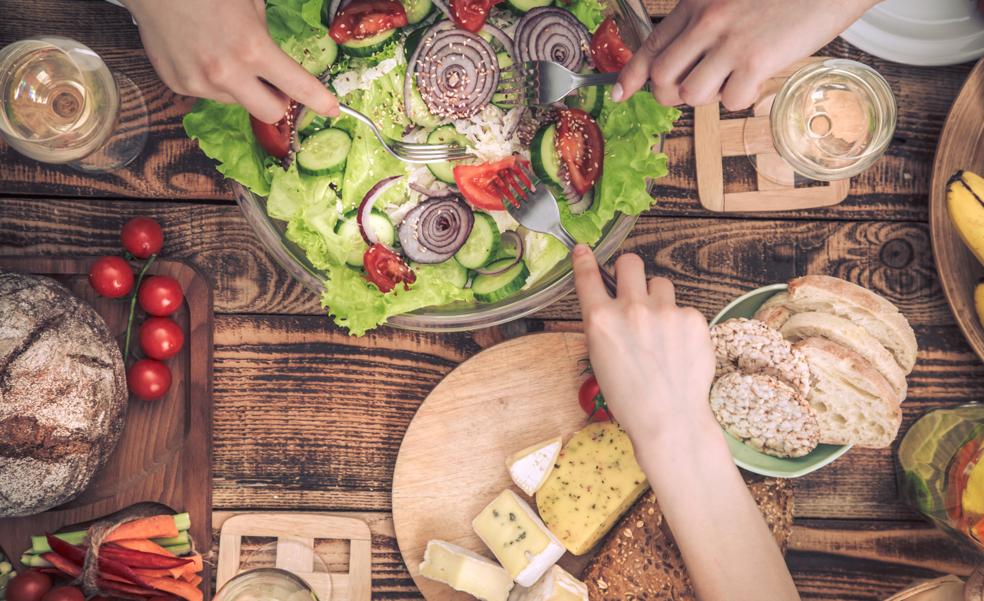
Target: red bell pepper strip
64,566
109,566
70,552
141,559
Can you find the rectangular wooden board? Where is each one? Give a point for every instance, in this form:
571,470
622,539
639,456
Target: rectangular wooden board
164,454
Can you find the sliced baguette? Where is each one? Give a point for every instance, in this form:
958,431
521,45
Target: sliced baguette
774,311
854,403
845,333
864,308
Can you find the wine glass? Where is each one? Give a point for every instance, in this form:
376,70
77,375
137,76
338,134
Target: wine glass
62,105
830,120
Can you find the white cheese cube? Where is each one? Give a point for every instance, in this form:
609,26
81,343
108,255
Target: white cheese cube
530,467
465,571
514,533
556,585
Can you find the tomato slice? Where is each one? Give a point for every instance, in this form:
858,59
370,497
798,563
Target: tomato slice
361,19
386,269
470,15
581,146
477,183
274,138
607,48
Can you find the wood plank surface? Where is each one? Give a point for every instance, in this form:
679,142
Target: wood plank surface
848,560
172,167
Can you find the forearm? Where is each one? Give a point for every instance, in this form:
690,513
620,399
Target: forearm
726,545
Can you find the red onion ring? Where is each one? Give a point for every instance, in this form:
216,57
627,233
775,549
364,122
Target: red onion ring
457,72
517,242
552,34
368,202
435,229
412,64
577,203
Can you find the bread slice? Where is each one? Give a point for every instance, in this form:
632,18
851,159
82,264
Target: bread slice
774,311
859,305
854,403
640,560
844,332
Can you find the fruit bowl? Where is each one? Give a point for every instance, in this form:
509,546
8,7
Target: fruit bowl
745,456
634,24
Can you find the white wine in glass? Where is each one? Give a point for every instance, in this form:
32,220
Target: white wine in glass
61,104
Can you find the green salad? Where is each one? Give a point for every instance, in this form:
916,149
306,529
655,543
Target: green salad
393,237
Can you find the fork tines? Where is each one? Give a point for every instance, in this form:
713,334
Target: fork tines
511,84
516,185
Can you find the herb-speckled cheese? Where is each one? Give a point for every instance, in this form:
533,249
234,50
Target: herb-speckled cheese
518,538
595,481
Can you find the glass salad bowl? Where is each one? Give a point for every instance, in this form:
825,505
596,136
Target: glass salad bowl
634,25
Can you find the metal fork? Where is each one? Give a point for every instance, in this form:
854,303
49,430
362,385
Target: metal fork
534,206
546,82
410,152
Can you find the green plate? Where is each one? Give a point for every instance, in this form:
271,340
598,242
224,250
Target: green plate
745,456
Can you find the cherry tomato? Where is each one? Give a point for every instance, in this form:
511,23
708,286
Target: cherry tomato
28,586
581,146
161,338
470,15
111,277
64,593
590,398
386,269
274,138
608,50
160,295
142,237
148,379
479,184
361,19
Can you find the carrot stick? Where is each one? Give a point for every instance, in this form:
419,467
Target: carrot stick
142,544
194,580
178,588
155,572
158,526
64,565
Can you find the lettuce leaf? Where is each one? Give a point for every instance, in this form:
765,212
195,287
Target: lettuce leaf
224,134
631,129
589,12
290,18
367,163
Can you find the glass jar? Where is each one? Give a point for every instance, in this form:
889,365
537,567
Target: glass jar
941,470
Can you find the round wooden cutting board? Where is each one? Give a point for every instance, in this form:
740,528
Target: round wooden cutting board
452,462
961,147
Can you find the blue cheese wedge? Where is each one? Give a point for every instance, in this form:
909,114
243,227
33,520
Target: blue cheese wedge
556,585
518,538
466,571
596,480
530,467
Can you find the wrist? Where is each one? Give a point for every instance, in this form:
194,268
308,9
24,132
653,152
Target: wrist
694,432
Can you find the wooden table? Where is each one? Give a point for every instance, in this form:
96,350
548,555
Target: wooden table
309,418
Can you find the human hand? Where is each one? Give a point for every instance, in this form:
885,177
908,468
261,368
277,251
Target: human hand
706,50
222,50
653,359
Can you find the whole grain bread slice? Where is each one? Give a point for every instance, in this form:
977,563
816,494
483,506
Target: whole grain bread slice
847,334
640,560
853,402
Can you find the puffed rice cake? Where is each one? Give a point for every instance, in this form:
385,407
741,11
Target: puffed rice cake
750,346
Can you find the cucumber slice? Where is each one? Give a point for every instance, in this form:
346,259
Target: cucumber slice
419,113
452,272
543,154
482,243
317,60
417,10
446,134
492,288
310,123
370,45
588,99
524,6
324,152
505,61
348,228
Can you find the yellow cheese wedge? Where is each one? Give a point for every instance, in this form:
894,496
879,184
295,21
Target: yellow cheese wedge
465,571
596,480
530,467
556,585
512,531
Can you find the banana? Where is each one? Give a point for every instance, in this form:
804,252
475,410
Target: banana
979,301
965,201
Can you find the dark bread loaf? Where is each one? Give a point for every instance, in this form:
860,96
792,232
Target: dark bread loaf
62,394
639,559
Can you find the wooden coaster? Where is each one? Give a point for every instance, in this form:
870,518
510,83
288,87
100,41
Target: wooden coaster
296,534
715,139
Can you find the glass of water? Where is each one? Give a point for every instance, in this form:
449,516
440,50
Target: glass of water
266,584
832,119
62,105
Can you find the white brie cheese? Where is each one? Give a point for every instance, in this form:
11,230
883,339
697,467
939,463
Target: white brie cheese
465,571
556,585
530,467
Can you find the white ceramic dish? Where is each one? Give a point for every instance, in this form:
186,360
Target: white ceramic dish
921,32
